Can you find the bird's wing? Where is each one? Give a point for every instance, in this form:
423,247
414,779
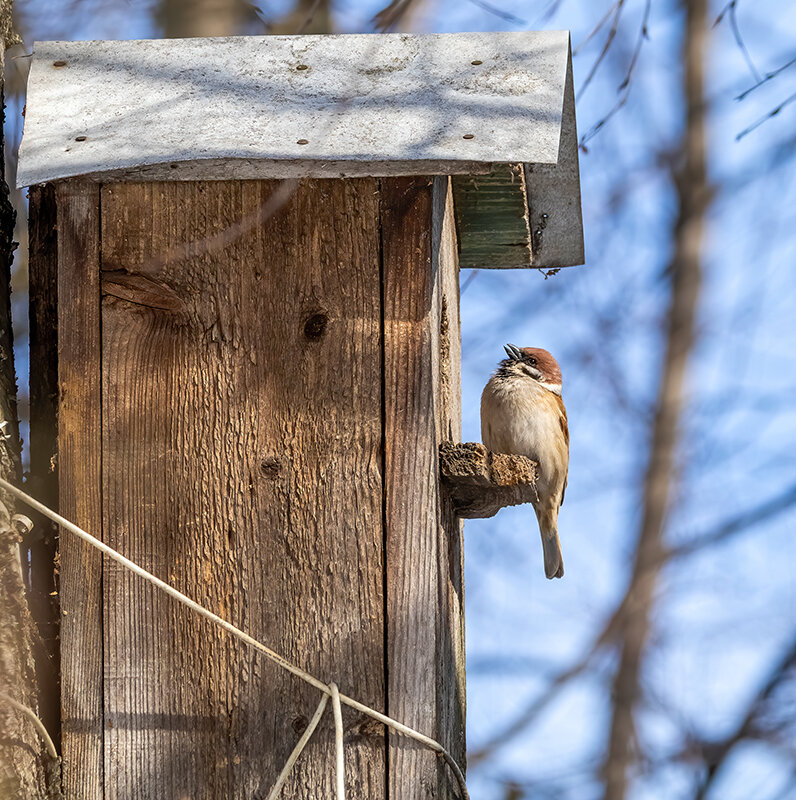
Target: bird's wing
562,421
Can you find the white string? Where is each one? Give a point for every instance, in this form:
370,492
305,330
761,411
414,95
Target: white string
237,633
38,724
339,756
300,745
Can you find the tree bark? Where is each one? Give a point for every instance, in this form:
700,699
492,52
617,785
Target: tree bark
184,18
684,268
25,768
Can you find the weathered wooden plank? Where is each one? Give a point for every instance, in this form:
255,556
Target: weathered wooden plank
451,697
423,556
43,475
241,461
80,498
492,225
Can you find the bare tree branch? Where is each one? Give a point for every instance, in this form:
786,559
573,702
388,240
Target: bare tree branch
730,11
716,754
685,270
768,76
737,524
773,113
498,12
391,15
624,87
606,47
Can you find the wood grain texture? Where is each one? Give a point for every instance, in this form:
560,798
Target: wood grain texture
425,660
480,483
80,497
241,461
43,474
451,683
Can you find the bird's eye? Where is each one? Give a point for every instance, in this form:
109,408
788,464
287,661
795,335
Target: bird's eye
532,361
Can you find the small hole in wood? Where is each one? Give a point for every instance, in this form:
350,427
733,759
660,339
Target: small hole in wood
315,326
270,467
80,138
299,723
302,67
59,63
468,136
303,141
476,63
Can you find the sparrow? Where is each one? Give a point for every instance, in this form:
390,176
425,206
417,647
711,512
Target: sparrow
522,413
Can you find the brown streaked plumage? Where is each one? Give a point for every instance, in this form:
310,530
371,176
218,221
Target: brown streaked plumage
522,413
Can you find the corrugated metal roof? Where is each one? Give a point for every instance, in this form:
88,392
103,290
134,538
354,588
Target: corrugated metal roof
285,106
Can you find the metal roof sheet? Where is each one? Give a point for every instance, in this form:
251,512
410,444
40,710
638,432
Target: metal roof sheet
287,106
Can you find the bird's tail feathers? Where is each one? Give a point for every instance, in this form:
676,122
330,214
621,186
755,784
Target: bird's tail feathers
553,560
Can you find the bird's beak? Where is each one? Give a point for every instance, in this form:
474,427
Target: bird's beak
513,352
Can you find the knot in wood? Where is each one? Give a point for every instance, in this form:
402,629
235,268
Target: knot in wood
299,723
315,326
270,467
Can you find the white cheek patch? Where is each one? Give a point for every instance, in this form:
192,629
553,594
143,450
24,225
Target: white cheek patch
555,388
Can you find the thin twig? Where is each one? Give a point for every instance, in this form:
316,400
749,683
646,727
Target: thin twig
642,36
596,29
769,75
470,278
37,723
237,633
730,10
766,117
623,87
746,519
339,755
606,47
297,750
498,12
310,17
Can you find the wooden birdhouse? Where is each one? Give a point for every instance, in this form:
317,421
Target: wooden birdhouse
253,248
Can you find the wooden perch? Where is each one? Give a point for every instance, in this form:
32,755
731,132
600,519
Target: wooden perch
480,483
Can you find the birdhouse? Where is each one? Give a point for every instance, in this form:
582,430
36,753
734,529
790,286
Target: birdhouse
255,243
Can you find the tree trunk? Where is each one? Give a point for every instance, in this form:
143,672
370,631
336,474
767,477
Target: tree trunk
26,770
185,18
693,195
